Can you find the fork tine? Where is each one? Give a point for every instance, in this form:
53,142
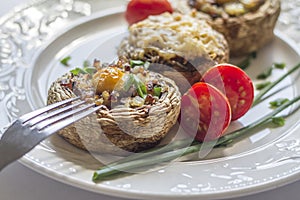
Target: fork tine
74,111
20,138
41,118
43,110
64,123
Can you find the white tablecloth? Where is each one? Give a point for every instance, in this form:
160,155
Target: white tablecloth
20,183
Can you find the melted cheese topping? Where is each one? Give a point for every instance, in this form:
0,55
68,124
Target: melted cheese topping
183,34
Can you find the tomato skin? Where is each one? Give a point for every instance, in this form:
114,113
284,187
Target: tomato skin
138,10
235,84
205,112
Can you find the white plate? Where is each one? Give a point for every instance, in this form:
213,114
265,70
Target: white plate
36,37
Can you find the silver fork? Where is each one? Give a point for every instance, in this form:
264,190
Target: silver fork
32,128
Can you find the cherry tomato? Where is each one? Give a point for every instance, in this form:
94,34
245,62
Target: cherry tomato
235,84
138,10
205,112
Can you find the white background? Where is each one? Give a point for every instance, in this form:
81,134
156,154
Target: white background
20,183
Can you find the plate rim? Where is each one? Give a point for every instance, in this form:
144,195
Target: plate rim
110,191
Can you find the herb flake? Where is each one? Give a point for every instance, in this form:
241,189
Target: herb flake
85,70
244,64
65,61
77,71
157,91
265,74
278,102
268,71
134,63
261,86
133,80
278,121
279,65
86,64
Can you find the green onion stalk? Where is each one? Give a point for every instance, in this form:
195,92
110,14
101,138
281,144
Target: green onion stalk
258,97
163,155
184,147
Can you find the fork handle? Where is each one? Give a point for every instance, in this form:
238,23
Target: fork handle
5,151
12,145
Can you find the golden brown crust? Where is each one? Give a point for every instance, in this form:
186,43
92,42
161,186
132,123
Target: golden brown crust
246,33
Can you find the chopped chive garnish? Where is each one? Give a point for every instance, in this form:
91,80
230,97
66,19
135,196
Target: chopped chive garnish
90,70
134,63
157,91
87,70
262,93
133,80
244,64
179,148
140,87
129,81
279,65
65,61
261,86
279,121
77,71
265,74
268,71
86,64
278,102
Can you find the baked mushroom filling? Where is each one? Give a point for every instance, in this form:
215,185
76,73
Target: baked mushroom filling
226,8
168,34
122,84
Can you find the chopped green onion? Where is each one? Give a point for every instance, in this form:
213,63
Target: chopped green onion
279,121
265,74
157,91
158,156
140,87
77,71
86,64
87,70
65,61
129,81
268,72
134,63
133,80
278,102
90,70
259,96
140,92
247,61
279,65
143,88
261,86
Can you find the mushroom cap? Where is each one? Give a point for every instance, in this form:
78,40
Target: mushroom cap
246,33
121,130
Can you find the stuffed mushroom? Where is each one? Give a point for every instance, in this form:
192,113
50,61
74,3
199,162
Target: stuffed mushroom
139,107
246,24
183,46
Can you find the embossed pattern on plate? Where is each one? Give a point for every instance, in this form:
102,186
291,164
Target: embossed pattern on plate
33,39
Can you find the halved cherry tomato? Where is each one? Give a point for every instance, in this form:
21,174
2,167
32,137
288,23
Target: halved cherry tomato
205,112
138,10
235,84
